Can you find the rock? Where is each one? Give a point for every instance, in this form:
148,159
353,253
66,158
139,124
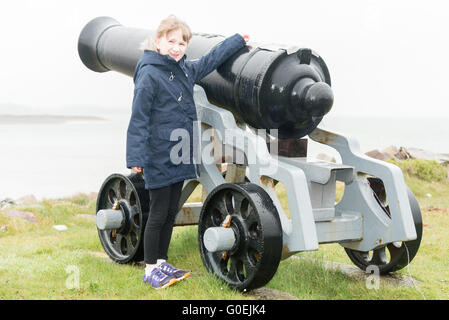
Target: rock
7,202
27,199
3,228
390,151
271,294
60,227
376,154
427,155
325,157
416,153
395,279
28,216
402,154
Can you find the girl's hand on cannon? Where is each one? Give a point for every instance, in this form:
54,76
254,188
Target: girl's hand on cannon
137,169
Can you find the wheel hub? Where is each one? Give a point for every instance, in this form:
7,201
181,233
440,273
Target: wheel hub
241,234
126,210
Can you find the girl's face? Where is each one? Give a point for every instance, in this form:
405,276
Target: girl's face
172,44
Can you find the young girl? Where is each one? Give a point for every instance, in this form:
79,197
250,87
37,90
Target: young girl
163,102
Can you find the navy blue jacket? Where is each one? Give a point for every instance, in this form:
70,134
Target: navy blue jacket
163,101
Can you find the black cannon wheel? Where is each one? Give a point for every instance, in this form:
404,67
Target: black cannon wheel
401,253
123,245
255,257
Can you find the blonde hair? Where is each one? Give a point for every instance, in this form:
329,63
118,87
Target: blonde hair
169,24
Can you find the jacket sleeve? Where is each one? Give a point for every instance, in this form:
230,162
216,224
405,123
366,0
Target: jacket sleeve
139,125
217,56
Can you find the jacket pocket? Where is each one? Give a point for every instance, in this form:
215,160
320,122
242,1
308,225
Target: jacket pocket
175,133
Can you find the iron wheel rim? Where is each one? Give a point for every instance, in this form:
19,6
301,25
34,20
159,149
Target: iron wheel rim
124,246
253,260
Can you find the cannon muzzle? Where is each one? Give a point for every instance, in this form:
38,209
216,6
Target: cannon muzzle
267,87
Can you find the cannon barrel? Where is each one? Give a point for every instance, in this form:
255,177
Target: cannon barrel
267,87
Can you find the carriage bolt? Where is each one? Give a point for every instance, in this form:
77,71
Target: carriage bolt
219,239
109,219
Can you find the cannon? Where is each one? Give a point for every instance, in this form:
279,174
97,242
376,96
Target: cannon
256,113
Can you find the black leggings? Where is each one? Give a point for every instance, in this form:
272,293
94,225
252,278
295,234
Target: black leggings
159,227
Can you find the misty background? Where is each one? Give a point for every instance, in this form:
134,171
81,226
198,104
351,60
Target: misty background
387,60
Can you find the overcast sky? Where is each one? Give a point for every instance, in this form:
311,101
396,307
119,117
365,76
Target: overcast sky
386,58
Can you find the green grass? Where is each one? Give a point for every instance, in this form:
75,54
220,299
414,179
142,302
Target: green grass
37,261
422,169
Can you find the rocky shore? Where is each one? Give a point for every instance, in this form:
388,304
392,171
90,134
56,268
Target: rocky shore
408,153
401,153
392,152
16,208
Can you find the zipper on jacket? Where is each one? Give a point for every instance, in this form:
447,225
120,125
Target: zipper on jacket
183,68
180,96
172,76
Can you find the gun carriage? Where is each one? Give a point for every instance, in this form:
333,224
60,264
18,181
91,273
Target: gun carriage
243,229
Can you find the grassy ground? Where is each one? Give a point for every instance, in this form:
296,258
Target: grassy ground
39,262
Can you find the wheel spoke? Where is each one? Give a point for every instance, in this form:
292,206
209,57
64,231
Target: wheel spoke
379,257
220,205
209,222
253,226
117,243
136,223
111,197
254,244
217,212
232,274
123,189
365,256
125,245
394,250
251,217
128,193
249,267
128,245
239,203
116,188
130,241
222,264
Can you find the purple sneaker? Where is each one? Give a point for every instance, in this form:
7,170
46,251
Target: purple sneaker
158,279
169,270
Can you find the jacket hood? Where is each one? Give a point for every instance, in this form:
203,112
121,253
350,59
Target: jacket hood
155,58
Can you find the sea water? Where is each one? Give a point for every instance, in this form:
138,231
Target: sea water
52,159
